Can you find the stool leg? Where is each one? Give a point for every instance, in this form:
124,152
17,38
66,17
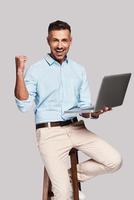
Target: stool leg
77,160
46,183
74,160
50,193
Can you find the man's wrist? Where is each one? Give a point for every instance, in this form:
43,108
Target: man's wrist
92,116
19,72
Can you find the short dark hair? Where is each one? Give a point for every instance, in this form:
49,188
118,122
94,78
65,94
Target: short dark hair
58,25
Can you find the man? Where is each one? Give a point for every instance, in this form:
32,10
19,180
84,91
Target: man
57,84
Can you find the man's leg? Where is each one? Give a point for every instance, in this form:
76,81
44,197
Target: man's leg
54,147
104,158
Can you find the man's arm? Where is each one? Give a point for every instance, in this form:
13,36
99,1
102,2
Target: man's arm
85,100
25,87
20,90
84,93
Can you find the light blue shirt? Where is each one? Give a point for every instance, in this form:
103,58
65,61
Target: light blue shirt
55,88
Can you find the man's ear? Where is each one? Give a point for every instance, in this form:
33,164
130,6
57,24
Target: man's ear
71,39
48,39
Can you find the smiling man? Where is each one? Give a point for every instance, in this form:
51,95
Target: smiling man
59,42
56,84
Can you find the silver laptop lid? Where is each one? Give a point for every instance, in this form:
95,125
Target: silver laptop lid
112,91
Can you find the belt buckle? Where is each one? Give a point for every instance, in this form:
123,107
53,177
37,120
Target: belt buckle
49,124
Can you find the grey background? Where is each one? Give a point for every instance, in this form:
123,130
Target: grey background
103,41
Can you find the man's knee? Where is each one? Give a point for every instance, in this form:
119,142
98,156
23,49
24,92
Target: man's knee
116,163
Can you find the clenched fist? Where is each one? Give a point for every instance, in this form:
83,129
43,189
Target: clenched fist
20,63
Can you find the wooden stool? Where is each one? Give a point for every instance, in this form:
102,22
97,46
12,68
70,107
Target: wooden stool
47,192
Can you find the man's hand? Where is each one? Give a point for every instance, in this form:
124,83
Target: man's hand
20,63
96,114
20,88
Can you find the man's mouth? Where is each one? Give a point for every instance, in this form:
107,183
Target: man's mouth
59,50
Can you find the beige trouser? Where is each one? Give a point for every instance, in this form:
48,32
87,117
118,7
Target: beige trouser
54,144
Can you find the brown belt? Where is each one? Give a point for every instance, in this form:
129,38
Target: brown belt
57,123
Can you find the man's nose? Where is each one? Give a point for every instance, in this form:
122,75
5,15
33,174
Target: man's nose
60,45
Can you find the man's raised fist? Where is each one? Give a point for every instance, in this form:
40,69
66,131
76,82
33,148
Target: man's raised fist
20,62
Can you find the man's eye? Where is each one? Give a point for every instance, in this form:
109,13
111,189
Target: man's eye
55,40
64,40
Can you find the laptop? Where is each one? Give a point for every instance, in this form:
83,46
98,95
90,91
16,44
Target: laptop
111,93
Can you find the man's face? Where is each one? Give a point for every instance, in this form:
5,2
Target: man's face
59,42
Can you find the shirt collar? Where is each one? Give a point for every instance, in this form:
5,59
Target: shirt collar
51,60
